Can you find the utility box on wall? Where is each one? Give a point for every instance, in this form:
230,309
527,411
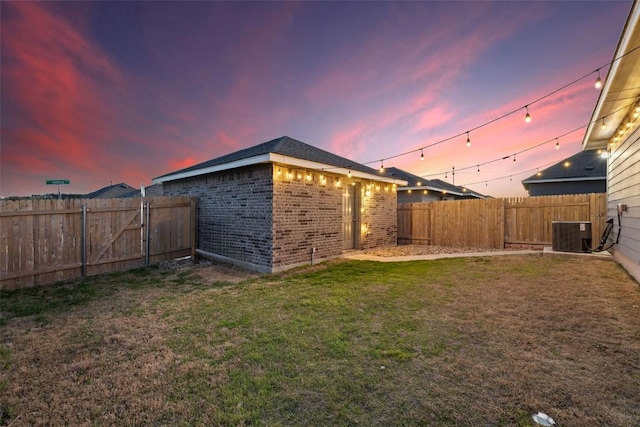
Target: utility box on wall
571,236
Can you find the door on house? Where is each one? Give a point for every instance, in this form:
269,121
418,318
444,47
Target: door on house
349,217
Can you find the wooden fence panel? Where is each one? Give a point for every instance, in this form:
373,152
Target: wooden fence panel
497,223
468,223
172,226
413,221
41,240
529,219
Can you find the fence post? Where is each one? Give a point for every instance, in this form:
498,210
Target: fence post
83,249
147,232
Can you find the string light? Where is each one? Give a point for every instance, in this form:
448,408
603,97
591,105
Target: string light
557,144
614,139
349,174
478,168
514,158
381,165
468,140
598,84
539,173
516,110
527,118
421,155
604,125
509,176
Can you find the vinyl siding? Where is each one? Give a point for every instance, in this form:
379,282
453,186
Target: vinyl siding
573,187
624,187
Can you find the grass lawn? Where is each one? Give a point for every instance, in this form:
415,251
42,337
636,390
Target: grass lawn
470,341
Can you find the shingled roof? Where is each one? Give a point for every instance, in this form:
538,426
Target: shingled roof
111,191
416,182
586,165
284,150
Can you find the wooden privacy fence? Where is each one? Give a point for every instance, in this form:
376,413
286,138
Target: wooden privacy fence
497,223
47,240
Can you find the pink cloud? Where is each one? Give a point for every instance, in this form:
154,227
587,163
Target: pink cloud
55,78
183,163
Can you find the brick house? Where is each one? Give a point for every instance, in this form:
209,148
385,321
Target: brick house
285,203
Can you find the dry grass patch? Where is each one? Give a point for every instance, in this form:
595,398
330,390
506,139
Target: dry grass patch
473,341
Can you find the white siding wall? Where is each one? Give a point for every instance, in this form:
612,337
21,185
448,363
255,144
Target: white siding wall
624,187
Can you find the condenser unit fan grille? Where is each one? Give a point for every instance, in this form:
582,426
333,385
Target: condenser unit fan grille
571,236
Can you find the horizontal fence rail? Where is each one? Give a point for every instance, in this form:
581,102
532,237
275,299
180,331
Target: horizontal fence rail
497,223
48,240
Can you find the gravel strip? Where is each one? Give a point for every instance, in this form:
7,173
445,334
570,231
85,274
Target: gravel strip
410,250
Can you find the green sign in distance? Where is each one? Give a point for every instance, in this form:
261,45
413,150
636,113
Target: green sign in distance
57,181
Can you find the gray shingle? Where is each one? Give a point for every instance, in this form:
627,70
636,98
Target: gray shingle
288,147
585,164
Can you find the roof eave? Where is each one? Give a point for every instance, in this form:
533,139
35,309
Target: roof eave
590,140
440,190
276,158
543,181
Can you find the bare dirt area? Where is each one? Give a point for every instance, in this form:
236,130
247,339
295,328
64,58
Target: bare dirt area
210,271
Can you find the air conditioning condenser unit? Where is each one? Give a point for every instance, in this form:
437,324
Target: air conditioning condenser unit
571,236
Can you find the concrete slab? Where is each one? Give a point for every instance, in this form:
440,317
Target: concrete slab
604,255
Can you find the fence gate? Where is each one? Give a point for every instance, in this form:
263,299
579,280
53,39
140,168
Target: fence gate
44,241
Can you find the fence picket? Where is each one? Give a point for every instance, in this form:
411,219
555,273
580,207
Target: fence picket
42,243
497,223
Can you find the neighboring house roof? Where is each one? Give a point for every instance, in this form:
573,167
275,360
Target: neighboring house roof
154,190
283,150
586,165
618,100
415,182
110,191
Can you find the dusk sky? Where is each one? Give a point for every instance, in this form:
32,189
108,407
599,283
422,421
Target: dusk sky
100,92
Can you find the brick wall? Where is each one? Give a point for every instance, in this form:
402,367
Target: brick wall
378,215
273,215
234,212
307,213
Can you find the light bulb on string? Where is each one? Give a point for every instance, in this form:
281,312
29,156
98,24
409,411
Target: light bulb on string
478,168
598,84
349,174
514,158
421,154
539,173
527,117
468,140
604,125
382,165
557,144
